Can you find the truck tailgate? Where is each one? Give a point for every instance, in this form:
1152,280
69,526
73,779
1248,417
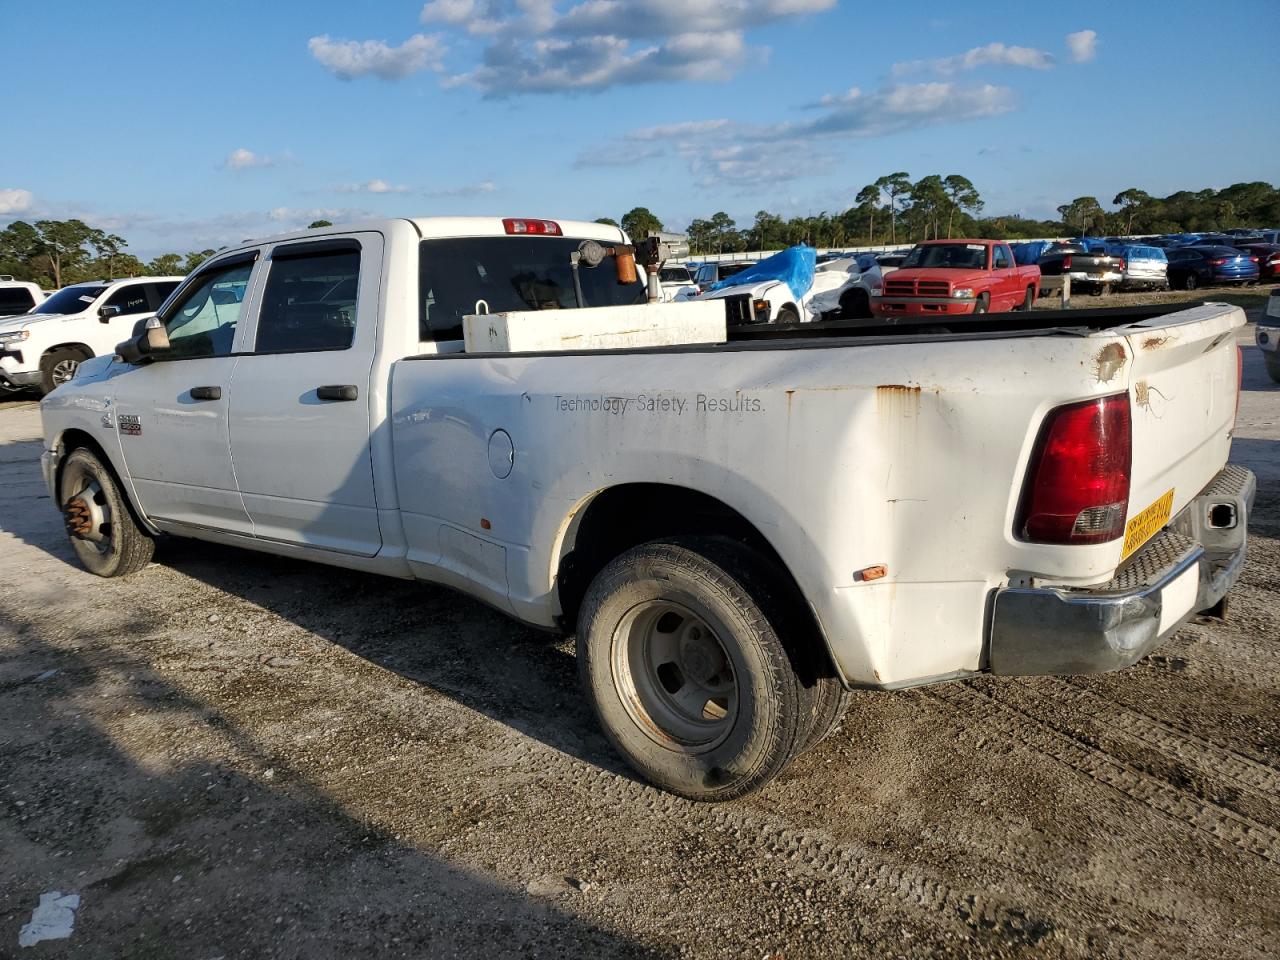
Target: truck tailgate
1183,383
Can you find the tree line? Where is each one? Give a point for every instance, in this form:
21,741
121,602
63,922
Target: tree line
56,253
894,209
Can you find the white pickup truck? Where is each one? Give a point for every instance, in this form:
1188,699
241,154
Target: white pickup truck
741,532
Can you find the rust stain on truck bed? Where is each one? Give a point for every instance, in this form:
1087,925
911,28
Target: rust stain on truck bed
898,399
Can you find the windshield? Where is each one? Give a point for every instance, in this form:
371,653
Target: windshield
71,299
508,274
729,269
674,275
957,256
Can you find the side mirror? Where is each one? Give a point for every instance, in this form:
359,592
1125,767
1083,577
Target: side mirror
106,313
149,338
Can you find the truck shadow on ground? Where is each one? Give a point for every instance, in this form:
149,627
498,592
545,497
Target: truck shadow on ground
110,793
432,636
435,637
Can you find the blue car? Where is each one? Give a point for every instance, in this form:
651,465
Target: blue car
1192,267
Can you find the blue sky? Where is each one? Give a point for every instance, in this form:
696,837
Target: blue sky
182,126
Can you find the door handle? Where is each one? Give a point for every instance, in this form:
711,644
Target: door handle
346,391
206,393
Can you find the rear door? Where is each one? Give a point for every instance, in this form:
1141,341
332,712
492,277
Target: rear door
301,396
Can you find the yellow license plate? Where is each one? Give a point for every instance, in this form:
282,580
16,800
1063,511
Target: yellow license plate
1147,524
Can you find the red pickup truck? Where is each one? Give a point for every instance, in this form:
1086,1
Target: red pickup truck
949,277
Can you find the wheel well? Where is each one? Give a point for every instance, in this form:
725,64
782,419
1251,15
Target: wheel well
82,347
626,516
74,439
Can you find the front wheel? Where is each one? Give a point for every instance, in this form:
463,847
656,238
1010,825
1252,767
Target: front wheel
1273,367
855,305
788,314
58,366
1029,298
983,304
1190,282
102,530
688,676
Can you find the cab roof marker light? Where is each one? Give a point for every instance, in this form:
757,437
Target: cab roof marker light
524,227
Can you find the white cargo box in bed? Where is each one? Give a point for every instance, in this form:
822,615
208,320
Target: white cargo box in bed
596,328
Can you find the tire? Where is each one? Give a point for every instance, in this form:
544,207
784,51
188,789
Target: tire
788,314
1190,282
1273,367
684,723
983,304
829,707
58,366
103,532
1028,299
855,305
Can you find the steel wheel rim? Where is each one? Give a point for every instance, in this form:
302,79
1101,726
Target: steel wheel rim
87,512
674,676
63,371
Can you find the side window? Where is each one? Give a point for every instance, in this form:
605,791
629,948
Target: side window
310,302
203,323
159,292
15,300
1000,258
130,299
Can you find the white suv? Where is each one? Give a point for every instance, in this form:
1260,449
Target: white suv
43,348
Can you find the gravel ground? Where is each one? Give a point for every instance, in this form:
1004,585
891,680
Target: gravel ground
231,755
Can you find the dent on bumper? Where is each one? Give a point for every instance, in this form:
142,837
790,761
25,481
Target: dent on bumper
1187,568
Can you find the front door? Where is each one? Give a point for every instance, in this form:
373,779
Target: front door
171,415
301,397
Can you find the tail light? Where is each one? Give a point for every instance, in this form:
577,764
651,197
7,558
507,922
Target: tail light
1120,263
1066,262
1077,486
548,228
1254,259
1218,261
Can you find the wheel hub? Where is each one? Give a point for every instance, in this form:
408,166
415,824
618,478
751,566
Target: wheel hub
674,676
85,518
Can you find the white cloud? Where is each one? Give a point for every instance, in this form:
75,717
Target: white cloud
1083,45
721,150
242,159
348,59
993,54
480,189
634,19
15,200
372,186
557,64
545,46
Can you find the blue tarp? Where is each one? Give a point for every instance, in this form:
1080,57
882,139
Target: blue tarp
793,266
1092,244
1029,252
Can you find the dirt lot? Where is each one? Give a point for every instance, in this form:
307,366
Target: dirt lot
230,755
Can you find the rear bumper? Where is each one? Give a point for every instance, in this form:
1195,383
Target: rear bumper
1187,568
